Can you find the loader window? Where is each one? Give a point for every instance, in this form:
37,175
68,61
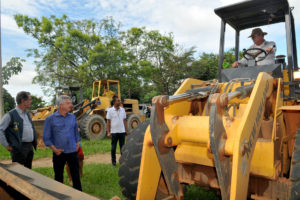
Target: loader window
96,89
114,88
102,89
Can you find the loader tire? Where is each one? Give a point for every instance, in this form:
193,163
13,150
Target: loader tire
93,127
81,125
130,161
295,169
133,121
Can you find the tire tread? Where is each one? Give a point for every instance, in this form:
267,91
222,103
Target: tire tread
130,161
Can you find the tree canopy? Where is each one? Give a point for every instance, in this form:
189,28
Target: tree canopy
12,67
76,52
37,102
146,62
9,101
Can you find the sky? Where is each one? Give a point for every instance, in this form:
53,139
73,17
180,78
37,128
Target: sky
192,22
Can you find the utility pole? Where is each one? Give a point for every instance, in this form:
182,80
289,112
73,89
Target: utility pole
1,82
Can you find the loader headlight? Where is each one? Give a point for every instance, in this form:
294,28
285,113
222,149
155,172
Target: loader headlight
297,75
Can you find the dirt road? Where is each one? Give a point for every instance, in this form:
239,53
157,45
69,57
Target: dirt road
47,162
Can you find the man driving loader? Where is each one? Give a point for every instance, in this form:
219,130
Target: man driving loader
108,93
262,51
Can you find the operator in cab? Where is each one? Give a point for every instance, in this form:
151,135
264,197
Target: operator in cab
108,93
257,36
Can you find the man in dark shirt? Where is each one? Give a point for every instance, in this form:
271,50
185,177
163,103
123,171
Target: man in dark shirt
17,133
62,136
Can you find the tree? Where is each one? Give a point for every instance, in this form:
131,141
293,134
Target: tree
9,101
77,52
229,58
12,67
206,67
144,61
161,63
37,102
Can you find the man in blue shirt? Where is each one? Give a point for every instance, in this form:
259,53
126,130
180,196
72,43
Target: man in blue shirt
62,136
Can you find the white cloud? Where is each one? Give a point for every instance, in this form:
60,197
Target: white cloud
296,11
23,82
229,2
26,7
8,23
192,22
23,79
33,89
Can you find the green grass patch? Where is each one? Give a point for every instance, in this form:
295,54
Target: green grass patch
100,180
194,192
90,147
4,154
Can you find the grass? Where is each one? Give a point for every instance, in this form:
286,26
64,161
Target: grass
100,180
90,147
194,192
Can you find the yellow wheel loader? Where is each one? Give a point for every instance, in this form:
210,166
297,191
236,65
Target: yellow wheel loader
238,135
92,115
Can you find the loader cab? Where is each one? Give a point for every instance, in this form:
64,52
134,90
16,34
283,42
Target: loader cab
106,88
69,91
252,14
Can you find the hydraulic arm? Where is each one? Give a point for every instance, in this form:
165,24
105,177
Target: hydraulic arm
231,150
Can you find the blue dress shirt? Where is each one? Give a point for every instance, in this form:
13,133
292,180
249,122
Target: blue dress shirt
61,131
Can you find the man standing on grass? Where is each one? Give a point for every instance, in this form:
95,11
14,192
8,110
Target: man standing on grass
62,136
116,127
17,133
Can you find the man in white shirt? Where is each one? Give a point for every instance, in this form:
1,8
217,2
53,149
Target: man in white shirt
257,36
116,127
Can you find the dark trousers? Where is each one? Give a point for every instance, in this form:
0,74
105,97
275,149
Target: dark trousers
25,156
114,140
59,164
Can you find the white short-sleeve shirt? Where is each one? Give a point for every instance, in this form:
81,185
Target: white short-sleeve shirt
270,58
116,118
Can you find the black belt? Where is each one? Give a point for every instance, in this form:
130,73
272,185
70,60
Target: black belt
26,143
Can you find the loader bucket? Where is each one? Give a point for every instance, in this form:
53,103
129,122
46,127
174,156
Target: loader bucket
39,126
18,182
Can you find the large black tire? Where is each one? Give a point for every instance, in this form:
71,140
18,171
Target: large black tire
93,127
133,121
81,125
295,170
130,161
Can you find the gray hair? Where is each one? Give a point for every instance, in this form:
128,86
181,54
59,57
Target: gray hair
61,99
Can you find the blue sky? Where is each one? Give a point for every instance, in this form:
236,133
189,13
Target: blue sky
192,22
